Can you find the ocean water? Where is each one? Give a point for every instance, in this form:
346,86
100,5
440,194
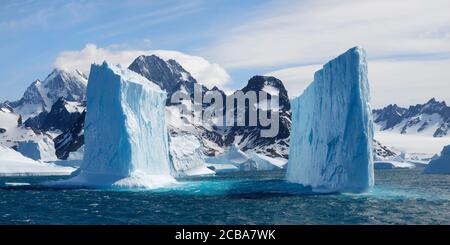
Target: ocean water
400,196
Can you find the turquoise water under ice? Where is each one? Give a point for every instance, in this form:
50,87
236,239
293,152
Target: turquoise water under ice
401,196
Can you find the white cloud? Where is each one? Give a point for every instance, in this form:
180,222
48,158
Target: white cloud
205,72
296,79
289,32
404,82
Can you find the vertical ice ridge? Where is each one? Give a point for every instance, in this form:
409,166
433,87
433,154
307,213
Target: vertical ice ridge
126,139
331,140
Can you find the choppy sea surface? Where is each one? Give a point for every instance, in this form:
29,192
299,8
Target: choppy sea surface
400,196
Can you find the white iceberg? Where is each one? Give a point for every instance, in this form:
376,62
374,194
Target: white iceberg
187,156
441,164
126,139
332,132
235,159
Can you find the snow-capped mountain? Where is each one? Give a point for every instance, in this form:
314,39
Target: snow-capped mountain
40,96
168,75
249,137
430,119
45,110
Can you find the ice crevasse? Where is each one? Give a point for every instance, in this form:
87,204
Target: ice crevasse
332,131
126,139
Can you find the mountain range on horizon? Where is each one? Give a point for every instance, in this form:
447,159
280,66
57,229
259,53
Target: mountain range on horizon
430,118
51,114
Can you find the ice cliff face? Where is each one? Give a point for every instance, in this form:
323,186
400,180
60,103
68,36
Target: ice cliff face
332,133
126,140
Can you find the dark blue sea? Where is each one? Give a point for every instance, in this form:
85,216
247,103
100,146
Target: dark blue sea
400,196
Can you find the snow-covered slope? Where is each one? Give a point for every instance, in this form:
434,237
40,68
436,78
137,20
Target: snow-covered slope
419,131
126,139
13,163
441,164
40,96
31,143
332,134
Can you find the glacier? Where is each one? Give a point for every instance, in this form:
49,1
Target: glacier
126,139
332,128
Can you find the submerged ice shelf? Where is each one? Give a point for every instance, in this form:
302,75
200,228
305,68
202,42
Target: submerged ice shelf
126,139
332,132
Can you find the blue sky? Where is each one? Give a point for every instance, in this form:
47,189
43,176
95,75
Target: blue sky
408,42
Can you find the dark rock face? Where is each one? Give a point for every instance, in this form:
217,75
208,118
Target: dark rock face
250,136
418,116
391,114
72,139
166,75
62,116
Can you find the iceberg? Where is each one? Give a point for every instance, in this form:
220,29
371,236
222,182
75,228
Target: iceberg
187,156
234,159
441,164
332,132
126,139
390,164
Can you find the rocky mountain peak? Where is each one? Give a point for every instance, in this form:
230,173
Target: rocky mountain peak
166,74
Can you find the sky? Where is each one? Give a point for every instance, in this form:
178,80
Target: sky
226,42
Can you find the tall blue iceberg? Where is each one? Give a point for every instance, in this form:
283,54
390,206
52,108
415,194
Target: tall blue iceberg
332,132
126,139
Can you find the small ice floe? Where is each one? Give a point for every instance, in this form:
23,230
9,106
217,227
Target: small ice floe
17,184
